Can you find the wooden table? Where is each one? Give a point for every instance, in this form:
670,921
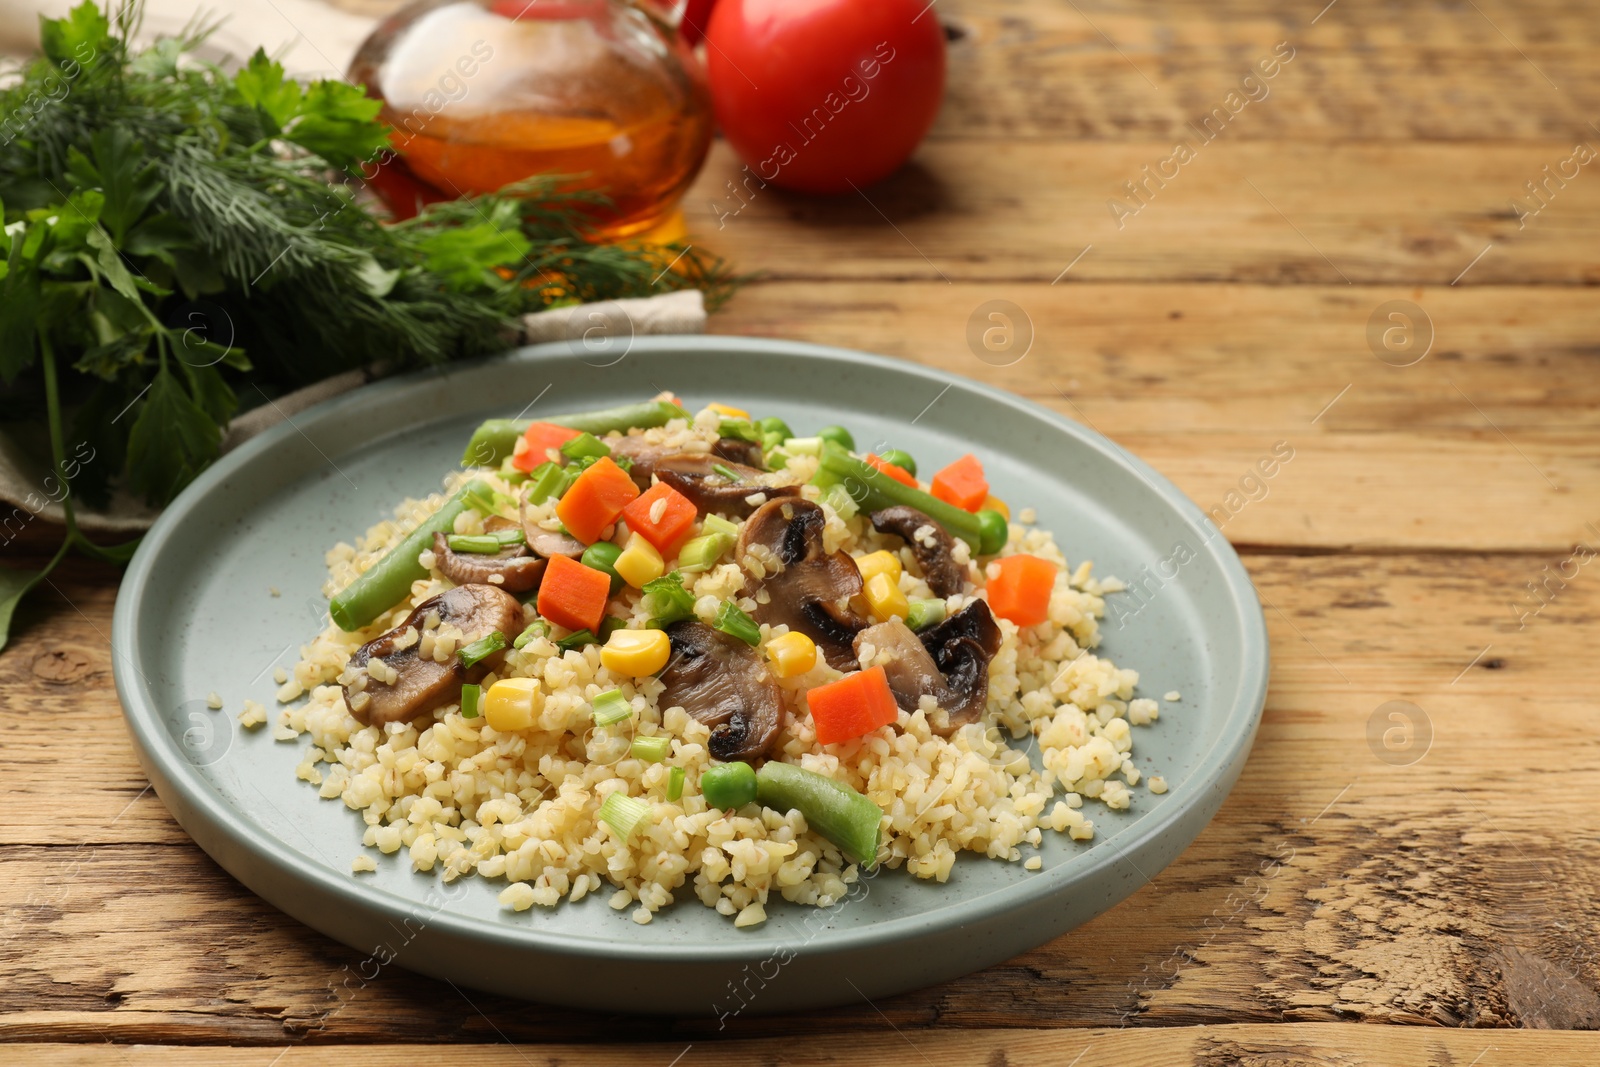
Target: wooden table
1367,895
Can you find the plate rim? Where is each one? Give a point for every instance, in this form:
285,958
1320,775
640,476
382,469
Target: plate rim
1224,757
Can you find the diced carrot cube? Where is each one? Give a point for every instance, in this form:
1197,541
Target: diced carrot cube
573,595
855,705
1021,590
663,516
962,484
594,501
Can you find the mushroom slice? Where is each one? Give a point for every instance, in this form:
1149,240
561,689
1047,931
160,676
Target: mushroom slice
906,663
546,543
724,683
512,568
738,450
698,477
421,685
933,550
962,647
805,588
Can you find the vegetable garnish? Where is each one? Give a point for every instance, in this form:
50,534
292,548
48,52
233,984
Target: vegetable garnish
611,707
481,649
471,695
699,553
479,545
388,581
668,601
675,783
536,629
726,471
924,613
733,621
576,640
585,446
1021,589
624,813
650,749
729,785
831,808
962,483
546,480
594,501
741,430
856,704
871,489
718,524
573,595
496,438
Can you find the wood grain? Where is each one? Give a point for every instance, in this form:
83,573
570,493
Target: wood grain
1344,882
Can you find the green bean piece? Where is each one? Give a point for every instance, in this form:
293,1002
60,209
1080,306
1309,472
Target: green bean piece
497,438
729,785
388,581
871,489
831,808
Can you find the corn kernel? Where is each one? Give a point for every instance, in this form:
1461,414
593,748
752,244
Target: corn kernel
636,653
792,654
994,503
879,562
728,412
639,562
508,705
885,598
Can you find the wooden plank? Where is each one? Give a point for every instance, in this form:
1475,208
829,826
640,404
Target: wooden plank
1134,71
1334,885
1336,1045
1488,442
1240,211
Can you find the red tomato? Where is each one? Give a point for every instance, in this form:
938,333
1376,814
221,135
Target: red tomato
817,95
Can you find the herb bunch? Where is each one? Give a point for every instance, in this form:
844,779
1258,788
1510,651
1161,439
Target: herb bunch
177,236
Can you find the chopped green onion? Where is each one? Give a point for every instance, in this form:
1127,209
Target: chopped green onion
611,707
668,601
718,524
585,446
512,475
839,499
536,629
739,429
610,625
481,649
576,640
698,554
924,613
726,471
651,749
624,813
777,461
481,498
675,784
624,462
803,446
470,696
478,545
733,621
546,481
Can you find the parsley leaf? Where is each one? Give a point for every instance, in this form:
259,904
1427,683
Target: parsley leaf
172,440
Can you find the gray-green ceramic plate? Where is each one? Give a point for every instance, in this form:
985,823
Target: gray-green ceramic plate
200,610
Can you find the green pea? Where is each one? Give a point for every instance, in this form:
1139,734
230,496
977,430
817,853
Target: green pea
729,785
602,556
839,436
900,459
993,532
773,424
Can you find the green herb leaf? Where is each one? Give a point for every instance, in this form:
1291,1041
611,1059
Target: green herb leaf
79,38
14,585
261,85
173,439
122,172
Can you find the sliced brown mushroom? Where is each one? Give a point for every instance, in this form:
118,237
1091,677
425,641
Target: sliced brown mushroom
695,475
934,551
798,584
545,543
738,450
724,683
962,647
909,667
421,685
513,568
